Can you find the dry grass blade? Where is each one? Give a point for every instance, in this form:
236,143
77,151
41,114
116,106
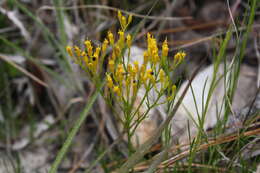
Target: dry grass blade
12,15
198,41
114,9
30,75
220,140
195,165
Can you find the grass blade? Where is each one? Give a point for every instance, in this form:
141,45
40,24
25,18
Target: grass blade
74,130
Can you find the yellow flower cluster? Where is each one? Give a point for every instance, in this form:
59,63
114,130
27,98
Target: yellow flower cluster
88,59
178,58
124,78
122,20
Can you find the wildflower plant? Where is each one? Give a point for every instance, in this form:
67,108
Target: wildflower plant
125,79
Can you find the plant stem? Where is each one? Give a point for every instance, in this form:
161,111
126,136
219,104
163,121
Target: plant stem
74,130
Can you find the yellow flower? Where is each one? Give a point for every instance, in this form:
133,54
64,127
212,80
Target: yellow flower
89,47
120,73
130,18
146,56
128,81
150,75
148,37
119,15
134,86
122,20
165,48
178,57
142,78
163,79
113,56
121,40
97,51
162,76
111,65
94,61
132,71
142,70
173,90
91,67
77,50
104,45
129,68
69,50
116,90
95,58
152,49
155,58
109,81
128,40
110,37
136,66
117,51
85,57
166,82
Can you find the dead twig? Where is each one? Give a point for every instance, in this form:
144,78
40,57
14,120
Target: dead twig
30,75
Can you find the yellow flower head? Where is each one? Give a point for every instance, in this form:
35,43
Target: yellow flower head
142,70
155,58
94,61
97,51
120,73
129,68
178,57
136,66
152,50
165,48
85,57
77,50
150,75
104,45
113,56
128,40
116,90
110,38
132,70
91,67
128,81
162,76
134,86
111,65
117,51
89,47
69,50
109,81
122,20
173,90
130,18
146,56
149,72
119,15
121,40
148,37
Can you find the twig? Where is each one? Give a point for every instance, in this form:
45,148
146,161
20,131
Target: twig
114,9
30,75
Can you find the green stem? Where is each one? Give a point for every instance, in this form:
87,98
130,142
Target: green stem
74,130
